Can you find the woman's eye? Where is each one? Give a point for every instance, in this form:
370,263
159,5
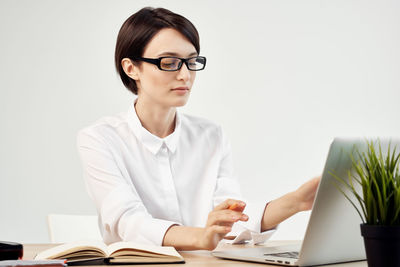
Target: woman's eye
192,63
169,64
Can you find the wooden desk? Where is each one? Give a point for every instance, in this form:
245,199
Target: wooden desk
195,258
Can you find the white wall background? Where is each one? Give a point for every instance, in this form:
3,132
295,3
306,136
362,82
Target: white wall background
283,78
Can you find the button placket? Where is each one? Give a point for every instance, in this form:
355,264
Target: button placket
169,185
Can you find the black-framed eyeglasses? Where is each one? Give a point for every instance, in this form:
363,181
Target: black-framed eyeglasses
175,63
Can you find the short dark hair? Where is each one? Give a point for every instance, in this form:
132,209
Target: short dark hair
140,28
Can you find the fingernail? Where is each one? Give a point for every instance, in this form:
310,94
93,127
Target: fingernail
244,217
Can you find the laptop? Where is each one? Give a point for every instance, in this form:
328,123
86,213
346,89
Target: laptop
333,231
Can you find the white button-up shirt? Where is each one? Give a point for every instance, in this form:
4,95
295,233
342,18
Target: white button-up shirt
142,184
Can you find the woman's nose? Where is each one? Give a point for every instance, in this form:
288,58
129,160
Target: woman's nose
184,73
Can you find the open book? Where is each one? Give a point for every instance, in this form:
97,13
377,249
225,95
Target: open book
120,252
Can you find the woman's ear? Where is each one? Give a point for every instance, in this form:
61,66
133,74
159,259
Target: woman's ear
130,69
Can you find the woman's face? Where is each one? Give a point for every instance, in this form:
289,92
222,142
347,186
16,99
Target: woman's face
166,88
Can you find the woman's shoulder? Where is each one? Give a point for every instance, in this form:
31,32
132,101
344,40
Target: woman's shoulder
110,123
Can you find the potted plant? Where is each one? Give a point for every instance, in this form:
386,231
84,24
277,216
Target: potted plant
375,183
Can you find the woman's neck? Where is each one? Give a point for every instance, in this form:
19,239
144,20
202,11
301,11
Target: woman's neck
158,120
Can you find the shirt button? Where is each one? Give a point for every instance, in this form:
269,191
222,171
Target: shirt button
164,148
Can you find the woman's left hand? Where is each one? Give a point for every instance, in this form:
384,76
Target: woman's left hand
305,194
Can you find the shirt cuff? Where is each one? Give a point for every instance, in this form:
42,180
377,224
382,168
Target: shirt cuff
152,231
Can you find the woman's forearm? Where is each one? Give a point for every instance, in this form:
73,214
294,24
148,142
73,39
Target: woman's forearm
183,237
282,208
279,210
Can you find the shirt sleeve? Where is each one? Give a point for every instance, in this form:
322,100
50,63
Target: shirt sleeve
122,214
228,187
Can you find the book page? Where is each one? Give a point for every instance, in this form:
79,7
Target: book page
130,248
83,248
140,260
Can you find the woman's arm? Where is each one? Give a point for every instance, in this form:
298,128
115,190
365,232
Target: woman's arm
221,219
282,208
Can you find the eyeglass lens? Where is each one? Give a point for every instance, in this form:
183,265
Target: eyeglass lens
172,63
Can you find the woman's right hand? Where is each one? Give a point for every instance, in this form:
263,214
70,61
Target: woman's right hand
220,222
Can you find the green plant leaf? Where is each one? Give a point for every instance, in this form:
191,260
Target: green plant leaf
378,176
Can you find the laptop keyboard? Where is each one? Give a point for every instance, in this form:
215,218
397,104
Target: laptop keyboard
292,254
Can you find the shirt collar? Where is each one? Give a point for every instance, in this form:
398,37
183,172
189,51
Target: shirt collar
149,140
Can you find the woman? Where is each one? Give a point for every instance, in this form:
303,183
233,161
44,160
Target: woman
156,175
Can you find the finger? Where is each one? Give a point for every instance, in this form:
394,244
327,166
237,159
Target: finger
225,217
236,204
243,217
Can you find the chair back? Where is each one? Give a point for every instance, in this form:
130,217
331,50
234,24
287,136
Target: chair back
68,228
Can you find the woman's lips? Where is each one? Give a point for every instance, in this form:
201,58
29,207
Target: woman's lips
181,90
